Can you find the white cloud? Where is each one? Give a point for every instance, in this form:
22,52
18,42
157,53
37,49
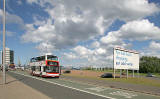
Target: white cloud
70,56
81,50
8,33
19,2
111,37
32,1
155,46
12,19
76,21
45,47
100,51
153,49
95,44
140,30
99,24
41,34
97,56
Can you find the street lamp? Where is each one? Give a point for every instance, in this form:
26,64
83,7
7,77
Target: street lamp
4,50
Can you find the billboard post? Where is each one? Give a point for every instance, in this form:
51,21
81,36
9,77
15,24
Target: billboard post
127,73
138,73
114,74
113,64
133,73
120,73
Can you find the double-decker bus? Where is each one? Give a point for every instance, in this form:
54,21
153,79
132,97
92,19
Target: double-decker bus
45,66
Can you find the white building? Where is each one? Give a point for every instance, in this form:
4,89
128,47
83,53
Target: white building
9,56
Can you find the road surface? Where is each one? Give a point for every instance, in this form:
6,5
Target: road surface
64,89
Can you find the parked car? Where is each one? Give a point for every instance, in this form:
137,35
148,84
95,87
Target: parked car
107,75
150,75
5,69
123,73
67,71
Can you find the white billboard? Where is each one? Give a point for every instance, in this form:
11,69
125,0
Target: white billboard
126,59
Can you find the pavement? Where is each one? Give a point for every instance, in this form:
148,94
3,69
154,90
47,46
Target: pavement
15,89
65,88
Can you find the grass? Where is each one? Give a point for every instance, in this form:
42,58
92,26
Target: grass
129,73
138,81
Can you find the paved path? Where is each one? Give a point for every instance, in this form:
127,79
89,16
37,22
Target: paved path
65,89
15,89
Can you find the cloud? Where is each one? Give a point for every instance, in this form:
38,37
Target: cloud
32,1
153,49
95,44
8,33
45,47
155,46
140,30
97,56
81,50
100,51
19,2
111,37
41,34
74,21
12,19
70,56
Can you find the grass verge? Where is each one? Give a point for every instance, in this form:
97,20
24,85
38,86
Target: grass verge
138,81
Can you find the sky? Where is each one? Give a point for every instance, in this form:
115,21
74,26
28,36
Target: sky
81,32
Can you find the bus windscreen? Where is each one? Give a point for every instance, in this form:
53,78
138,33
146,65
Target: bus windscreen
51,69
52,63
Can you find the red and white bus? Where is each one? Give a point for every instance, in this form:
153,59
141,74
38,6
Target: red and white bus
45,66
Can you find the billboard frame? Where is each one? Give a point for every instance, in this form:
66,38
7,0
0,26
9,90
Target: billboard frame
124,50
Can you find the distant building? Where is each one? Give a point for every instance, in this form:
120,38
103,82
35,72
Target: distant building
9,56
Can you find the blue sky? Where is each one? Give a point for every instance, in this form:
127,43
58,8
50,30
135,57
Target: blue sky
79,33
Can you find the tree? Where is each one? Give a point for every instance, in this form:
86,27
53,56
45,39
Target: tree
149,64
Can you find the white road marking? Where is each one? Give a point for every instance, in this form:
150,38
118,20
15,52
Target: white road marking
124,94
98,89
66,86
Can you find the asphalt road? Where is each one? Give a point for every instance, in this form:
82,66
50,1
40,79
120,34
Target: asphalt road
67,88
52,90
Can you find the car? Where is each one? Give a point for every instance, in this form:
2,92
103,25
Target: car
67,71
150,75
5,69
107,75
123,73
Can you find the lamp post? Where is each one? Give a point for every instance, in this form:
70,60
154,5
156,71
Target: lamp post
4,50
